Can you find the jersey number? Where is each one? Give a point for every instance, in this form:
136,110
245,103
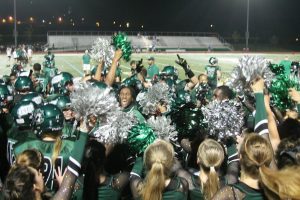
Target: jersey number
48,170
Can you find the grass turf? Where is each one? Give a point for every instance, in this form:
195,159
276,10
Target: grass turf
72,63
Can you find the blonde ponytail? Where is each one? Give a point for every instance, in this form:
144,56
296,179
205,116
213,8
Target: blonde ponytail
158,159
212,185
155,183
283,184
210,155
56,149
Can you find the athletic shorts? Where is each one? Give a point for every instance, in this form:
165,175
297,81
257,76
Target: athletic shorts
86,67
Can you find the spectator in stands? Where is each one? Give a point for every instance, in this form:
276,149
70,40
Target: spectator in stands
152,70
86,60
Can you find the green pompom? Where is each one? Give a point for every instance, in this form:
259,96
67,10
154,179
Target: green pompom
277,69
280,94
120,41
140,137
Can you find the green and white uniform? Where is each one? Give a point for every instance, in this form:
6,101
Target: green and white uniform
212,75
42,83
15,136
152,71
133,109
250,193
196,193
47,148
261,122
86,59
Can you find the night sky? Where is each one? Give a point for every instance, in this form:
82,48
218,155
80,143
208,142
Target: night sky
279,17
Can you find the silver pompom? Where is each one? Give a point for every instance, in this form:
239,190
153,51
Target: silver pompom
157,93
249,67
163,128
89,100
224,119
102,49
114,127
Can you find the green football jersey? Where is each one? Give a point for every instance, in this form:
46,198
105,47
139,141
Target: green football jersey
14,136
133,109
152,71
211,72
196,193
250,193
50,72
118,72
42,83
47,148
68,132
86,58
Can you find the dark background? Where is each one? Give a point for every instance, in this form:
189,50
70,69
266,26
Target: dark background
273,21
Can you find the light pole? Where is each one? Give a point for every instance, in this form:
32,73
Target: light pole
247,26
15,24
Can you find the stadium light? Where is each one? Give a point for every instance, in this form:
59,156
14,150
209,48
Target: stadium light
127,24
15,33
3,21
142,26
31,19
60,19
114,22
43,21
297,39
98,24
10,18
211,25
120,25
247,26
19,22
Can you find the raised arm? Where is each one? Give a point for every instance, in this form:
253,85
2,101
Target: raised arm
188,71
98,75
272,126
66,189
110,79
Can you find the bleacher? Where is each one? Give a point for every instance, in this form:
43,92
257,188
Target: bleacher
70,41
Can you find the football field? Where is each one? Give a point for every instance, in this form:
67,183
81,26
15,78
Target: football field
72,62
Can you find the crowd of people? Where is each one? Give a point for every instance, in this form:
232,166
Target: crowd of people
53,144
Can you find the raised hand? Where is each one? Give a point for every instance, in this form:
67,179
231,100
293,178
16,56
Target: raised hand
139,66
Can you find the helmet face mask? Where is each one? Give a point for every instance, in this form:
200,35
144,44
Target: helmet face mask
169,72
60,81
